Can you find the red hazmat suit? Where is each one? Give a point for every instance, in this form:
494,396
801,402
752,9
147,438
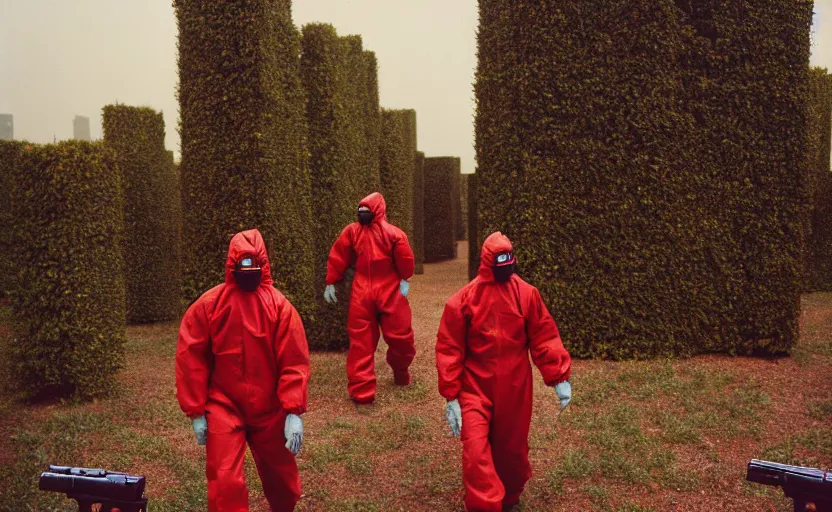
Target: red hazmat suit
482,355
382,257
242,360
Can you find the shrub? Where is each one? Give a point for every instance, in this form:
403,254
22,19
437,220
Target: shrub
418,242
136,135
441,193
650,178
244,156
8,152
398,157
819,243
69,310
462,229
474,241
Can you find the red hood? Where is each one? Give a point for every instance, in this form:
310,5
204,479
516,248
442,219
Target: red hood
493,245
248,243
375,202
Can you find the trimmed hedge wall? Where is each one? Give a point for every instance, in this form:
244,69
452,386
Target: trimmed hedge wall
418,242
456,219
372,126
650,178
398,157
462,216
136,135
441,194
69,318
474,242
819,246
334,72
8,152
244,156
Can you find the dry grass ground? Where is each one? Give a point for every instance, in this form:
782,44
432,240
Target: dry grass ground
656,435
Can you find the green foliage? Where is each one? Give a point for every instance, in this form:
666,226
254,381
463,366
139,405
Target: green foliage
819,244
8,152
474,242
441,195
335,73
136,135
69,310
398,158
462,215
244,156
418,242
372,124
650,177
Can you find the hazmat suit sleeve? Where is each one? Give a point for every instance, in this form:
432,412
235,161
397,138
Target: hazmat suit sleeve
547,350
340,256
193,360
450,349
292,355
403,257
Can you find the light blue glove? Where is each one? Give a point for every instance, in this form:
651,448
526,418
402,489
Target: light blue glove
201,430
454,416
329,294
404,287
564,391
293,430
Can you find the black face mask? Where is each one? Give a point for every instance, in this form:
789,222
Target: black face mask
248,280
503,274
365,218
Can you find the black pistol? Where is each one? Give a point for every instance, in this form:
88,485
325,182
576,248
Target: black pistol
88,487
809,488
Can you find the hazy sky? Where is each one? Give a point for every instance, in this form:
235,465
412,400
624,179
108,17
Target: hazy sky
61,58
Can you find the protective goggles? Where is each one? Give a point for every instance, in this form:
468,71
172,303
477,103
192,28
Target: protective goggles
503,259
247,263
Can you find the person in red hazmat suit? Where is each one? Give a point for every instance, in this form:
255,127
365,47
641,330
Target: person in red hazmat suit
383,262
242,368
482,354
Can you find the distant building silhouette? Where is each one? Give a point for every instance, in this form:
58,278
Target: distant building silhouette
6,127
81,128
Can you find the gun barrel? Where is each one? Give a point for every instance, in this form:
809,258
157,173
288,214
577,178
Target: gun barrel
111,486
773,473
802,484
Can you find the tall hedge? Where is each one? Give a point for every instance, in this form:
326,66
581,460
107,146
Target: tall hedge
371,145
335,73
174,189
474,242
8,153
398,158
244,156
441,195
418,242
69,312
819,246
462,216
645,158
136,135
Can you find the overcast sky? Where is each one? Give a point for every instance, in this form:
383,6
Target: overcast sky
62,58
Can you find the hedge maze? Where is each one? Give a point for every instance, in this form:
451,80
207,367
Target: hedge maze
662,167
